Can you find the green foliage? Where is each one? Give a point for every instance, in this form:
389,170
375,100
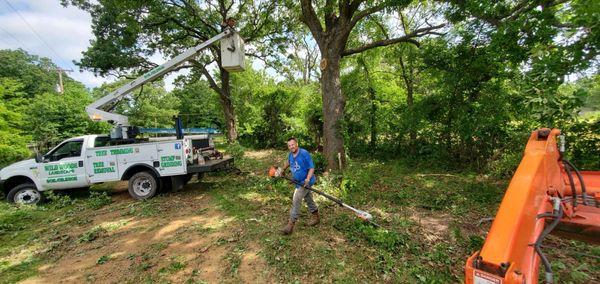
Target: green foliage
583,142
270,113
34,72
103,259
30,109
150,106
235,150
53,117
58,200
319,161
199,106
506,165
98,200
91,234
13,144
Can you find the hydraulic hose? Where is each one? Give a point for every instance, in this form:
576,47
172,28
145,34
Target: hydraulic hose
580,177
571,182
556,214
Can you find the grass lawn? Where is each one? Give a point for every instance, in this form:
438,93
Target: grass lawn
225,228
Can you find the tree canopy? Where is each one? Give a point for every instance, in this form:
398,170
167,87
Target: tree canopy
462,82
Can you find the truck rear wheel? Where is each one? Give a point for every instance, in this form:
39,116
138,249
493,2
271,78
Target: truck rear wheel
26,194
143,185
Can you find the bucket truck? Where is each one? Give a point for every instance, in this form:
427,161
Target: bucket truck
147,165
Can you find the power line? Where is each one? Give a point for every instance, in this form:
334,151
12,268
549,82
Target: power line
13,37
35,32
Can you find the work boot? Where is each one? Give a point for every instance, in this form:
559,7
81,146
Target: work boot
314,219
289,228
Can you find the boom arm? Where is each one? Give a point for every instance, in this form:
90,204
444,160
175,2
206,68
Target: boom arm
542,195
95,109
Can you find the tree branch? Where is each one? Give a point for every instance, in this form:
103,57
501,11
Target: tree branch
366,12
406,38
196,15
209,78
255,33
309,17
189,29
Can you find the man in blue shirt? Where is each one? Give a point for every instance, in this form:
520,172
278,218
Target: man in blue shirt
303,169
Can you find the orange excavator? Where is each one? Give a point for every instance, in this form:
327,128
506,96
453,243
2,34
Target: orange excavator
546,194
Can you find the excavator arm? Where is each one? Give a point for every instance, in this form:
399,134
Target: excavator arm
546,194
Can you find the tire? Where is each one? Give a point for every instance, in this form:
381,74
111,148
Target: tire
165,184
25,194
187,178
143,185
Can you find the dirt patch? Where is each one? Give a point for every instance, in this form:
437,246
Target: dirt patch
259,155
253,268
434,227
188,240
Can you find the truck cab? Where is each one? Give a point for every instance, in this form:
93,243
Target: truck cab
61,168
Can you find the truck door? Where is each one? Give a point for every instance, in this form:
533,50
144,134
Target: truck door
101,165
63,167
172,159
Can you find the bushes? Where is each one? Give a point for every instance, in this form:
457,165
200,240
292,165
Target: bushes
98,200
320,162
583,143
235,150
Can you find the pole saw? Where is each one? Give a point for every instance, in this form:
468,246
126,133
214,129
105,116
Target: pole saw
366,216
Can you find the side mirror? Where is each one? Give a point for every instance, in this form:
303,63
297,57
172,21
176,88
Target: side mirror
39,158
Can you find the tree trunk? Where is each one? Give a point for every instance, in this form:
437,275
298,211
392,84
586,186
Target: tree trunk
373,119
373,114
227,105
408,77
333,113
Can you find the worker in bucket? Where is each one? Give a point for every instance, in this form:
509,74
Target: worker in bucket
303,171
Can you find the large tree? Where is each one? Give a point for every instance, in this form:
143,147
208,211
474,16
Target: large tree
331,24
128,33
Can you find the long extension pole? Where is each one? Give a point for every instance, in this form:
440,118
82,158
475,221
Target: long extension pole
366,216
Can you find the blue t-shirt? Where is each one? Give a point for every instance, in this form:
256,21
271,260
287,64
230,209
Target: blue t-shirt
300,165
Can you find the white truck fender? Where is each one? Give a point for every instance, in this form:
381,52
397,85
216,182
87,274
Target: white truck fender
27,169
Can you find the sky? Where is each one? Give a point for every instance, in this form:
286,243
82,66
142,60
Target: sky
46,28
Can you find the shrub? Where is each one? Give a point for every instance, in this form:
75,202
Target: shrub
320,162
58,201
506,165
91,235
583,143
235,150
98,199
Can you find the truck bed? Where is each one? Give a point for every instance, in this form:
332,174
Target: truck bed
212,165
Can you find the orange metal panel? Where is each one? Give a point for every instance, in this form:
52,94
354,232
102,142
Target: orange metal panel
507,252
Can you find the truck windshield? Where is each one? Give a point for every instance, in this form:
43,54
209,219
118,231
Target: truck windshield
66,150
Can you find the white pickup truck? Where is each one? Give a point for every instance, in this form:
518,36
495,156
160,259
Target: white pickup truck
82,161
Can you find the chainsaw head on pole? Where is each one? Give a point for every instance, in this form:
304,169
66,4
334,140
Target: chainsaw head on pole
275,171
272,171
364,215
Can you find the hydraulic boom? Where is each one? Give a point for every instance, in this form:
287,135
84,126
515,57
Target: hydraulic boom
546,194
232,59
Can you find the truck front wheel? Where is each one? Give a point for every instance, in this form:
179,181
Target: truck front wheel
143,185
25,193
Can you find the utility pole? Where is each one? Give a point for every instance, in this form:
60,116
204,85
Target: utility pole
61,88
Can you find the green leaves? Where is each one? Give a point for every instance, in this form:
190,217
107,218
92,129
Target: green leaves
13,145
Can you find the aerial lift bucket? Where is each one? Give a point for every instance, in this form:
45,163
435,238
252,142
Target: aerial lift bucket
232,53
